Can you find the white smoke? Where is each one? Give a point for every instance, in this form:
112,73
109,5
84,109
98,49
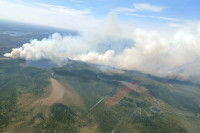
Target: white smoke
153,52
55,48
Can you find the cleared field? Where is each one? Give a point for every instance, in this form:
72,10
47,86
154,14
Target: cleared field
62,93
115,99
118,97
56,95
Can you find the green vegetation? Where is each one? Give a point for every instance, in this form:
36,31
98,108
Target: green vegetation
173,98
62,120
132,110
14,81
132,114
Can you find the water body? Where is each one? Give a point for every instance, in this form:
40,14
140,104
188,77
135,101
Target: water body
41,64
155,109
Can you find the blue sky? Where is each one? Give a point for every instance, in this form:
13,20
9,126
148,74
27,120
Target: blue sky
58,13
180,9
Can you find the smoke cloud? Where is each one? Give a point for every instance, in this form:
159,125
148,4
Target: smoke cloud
174,55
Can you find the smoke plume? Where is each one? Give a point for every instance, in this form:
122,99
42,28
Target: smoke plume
173,55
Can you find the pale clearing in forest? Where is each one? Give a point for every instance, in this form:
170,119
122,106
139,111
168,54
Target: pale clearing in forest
56,95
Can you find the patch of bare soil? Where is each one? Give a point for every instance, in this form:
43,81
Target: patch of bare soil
4,58
63,93
135,86
118,97
56,95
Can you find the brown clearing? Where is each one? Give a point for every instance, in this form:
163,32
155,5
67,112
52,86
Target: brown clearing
59,93
120,95
4,58
135,87
56,95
